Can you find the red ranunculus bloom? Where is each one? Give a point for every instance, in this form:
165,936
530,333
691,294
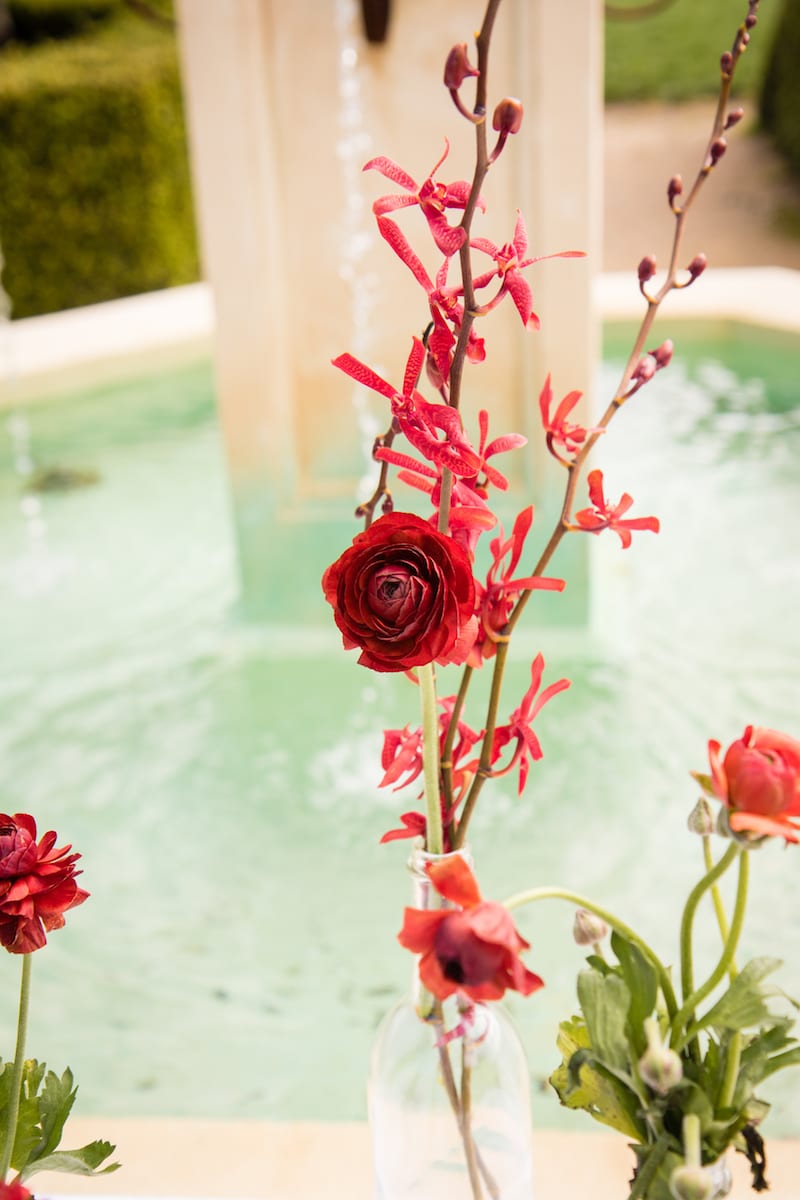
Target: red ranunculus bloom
15,1190
37,884
758,780
472,949
404,594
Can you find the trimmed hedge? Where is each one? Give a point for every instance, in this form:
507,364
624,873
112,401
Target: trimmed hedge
35,20
95,196
780,94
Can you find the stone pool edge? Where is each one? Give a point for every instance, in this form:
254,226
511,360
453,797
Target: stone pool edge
272,1160
46,355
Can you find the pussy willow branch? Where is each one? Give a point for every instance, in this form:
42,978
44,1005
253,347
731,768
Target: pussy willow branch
562,526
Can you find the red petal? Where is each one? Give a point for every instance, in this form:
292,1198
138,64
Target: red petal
454,880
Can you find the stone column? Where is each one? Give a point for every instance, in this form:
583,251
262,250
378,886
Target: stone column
285,103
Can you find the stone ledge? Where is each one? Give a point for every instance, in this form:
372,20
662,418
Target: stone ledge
270,1160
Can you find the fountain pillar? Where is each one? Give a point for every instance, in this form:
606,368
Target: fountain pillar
284,104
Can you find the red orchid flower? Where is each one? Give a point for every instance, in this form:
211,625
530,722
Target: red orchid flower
447,310
510,260
519,726
420,421
758,781
432,197
558,430
402,756
607,516
473,949
497,599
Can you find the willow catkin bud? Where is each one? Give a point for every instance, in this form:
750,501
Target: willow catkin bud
734,117
674,188
717,149
697,266
663,354
726,63
457,67
507,116
647,268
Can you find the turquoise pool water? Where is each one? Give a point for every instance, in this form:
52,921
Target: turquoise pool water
239,948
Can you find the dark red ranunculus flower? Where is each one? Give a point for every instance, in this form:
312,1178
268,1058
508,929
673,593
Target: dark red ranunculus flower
758,780
472,949
404,594
15,1190
37,884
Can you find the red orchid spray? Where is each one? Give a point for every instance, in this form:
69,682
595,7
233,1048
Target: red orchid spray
407,595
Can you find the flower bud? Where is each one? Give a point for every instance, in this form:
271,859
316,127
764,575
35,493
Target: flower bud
697,266
701,818
457,67
726,63
734,117
645,369
674,189
388,504
691,1183
660,1068
663,354
647,268
750,20
717,149
507,116
588,929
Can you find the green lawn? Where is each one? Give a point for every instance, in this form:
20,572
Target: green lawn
674,55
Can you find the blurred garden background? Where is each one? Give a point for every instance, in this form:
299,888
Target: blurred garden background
95,191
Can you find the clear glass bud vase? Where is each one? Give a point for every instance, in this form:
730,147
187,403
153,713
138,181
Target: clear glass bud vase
449,1119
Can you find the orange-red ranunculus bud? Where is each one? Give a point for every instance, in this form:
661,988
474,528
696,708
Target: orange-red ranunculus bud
758,780
404,594
37,884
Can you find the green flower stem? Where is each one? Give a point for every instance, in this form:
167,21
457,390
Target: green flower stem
555,893
722,921
649,1168
687,922
692,1154
446,764
485,765
19,1064
434,836
678,1038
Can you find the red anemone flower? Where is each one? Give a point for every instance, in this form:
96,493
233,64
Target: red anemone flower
37,884
474,948
758,781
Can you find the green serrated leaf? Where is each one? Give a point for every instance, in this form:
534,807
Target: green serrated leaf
605,1001
744,1003
641,978
85,1161
55,1105
580,1083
